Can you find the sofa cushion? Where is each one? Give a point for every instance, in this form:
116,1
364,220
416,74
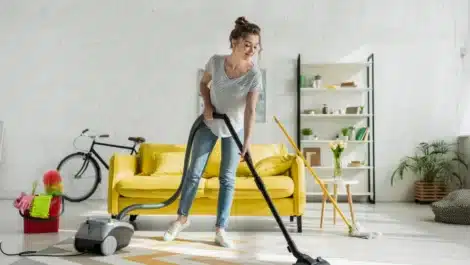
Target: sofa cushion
152,155
257,151
148,152
169,163
274,165
163,186
246,188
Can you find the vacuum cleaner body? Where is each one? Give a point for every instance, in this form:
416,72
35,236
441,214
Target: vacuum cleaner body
103,236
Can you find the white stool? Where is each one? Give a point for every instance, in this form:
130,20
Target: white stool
336,182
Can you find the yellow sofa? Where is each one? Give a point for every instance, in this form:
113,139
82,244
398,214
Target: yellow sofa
154,174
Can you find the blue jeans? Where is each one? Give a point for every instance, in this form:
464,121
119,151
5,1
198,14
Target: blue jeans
203,144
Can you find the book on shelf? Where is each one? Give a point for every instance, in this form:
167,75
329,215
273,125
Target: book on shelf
362,134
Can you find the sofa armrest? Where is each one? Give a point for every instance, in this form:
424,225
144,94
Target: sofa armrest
300,191
120,166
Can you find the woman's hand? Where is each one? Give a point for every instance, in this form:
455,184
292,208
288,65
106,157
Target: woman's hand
246,148
208,111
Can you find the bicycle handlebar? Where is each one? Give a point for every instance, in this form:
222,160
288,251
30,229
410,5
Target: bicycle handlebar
94,136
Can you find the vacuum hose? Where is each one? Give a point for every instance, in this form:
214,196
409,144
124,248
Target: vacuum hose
196,125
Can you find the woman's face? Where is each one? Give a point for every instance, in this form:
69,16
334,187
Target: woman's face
246,48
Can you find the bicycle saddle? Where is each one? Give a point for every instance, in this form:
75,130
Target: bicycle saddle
136,139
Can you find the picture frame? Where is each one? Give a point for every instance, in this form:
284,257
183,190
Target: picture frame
261,106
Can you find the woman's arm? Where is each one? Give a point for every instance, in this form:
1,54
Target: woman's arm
250,110
205,92
204,88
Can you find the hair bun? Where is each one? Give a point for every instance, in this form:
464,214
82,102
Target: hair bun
241,21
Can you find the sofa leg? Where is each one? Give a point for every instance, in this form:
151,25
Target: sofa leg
132,218
291,218
299,223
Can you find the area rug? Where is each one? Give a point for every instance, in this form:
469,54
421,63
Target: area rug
154,251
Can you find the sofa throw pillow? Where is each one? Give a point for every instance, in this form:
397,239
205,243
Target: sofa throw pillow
169,163
274,165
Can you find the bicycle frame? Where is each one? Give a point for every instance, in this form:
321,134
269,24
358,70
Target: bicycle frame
92,150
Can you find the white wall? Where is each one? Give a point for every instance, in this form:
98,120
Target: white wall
68,65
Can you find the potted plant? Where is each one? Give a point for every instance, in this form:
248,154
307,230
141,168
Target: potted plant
345,134
307,134
361,109
352,133
436,164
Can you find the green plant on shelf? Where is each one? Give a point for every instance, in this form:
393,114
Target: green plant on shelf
345,131
307,131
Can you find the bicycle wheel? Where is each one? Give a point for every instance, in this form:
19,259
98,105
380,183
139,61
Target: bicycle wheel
81,175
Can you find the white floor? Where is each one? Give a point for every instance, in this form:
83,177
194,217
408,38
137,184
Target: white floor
410,236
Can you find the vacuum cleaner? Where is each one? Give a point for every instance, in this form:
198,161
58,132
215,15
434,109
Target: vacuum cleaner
105,236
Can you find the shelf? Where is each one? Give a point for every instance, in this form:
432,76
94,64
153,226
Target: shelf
335,115
329,141
360,75
341,89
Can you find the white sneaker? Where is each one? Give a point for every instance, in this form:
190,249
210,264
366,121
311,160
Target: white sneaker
175,228
222,239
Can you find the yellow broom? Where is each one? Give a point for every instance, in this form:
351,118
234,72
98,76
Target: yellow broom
353,229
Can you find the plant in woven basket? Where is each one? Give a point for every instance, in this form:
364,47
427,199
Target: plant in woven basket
433,162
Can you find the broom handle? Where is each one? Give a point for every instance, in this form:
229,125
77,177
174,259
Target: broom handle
312,172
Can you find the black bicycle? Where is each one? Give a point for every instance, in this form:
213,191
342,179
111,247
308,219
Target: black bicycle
84,159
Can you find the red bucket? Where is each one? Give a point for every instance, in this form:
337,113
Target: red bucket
56,205
33,225
36,226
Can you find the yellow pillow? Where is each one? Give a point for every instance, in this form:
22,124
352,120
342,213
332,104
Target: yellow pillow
169,163
274,165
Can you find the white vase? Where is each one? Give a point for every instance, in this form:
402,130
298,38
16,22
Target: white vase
344,137
317,83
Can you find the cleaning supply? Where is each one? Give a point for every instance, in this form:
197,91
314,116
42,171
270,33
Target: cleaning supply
41,212
40,206
354,230
24,201
53,183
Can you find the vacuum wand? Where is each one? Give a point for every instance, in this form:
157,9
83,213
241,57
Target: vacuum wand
292,248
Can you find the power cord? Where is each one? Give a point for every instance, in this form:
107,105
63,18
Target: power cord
34,253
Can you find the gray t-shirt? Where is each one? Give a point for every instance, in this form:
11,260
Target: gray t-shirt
228,96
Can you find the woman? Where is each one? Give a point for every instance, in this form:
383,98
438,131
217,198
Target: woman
235,83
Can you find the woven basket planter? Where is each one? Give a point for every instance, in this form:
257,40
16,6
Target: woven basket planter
428,192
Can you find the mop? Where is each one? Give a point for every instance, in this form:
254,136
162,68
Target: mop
354,229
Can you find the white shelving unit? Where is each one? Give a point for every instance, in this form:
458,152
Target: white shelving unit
343,89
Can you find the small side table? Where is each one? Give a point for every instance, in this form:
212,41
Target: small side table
336,182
